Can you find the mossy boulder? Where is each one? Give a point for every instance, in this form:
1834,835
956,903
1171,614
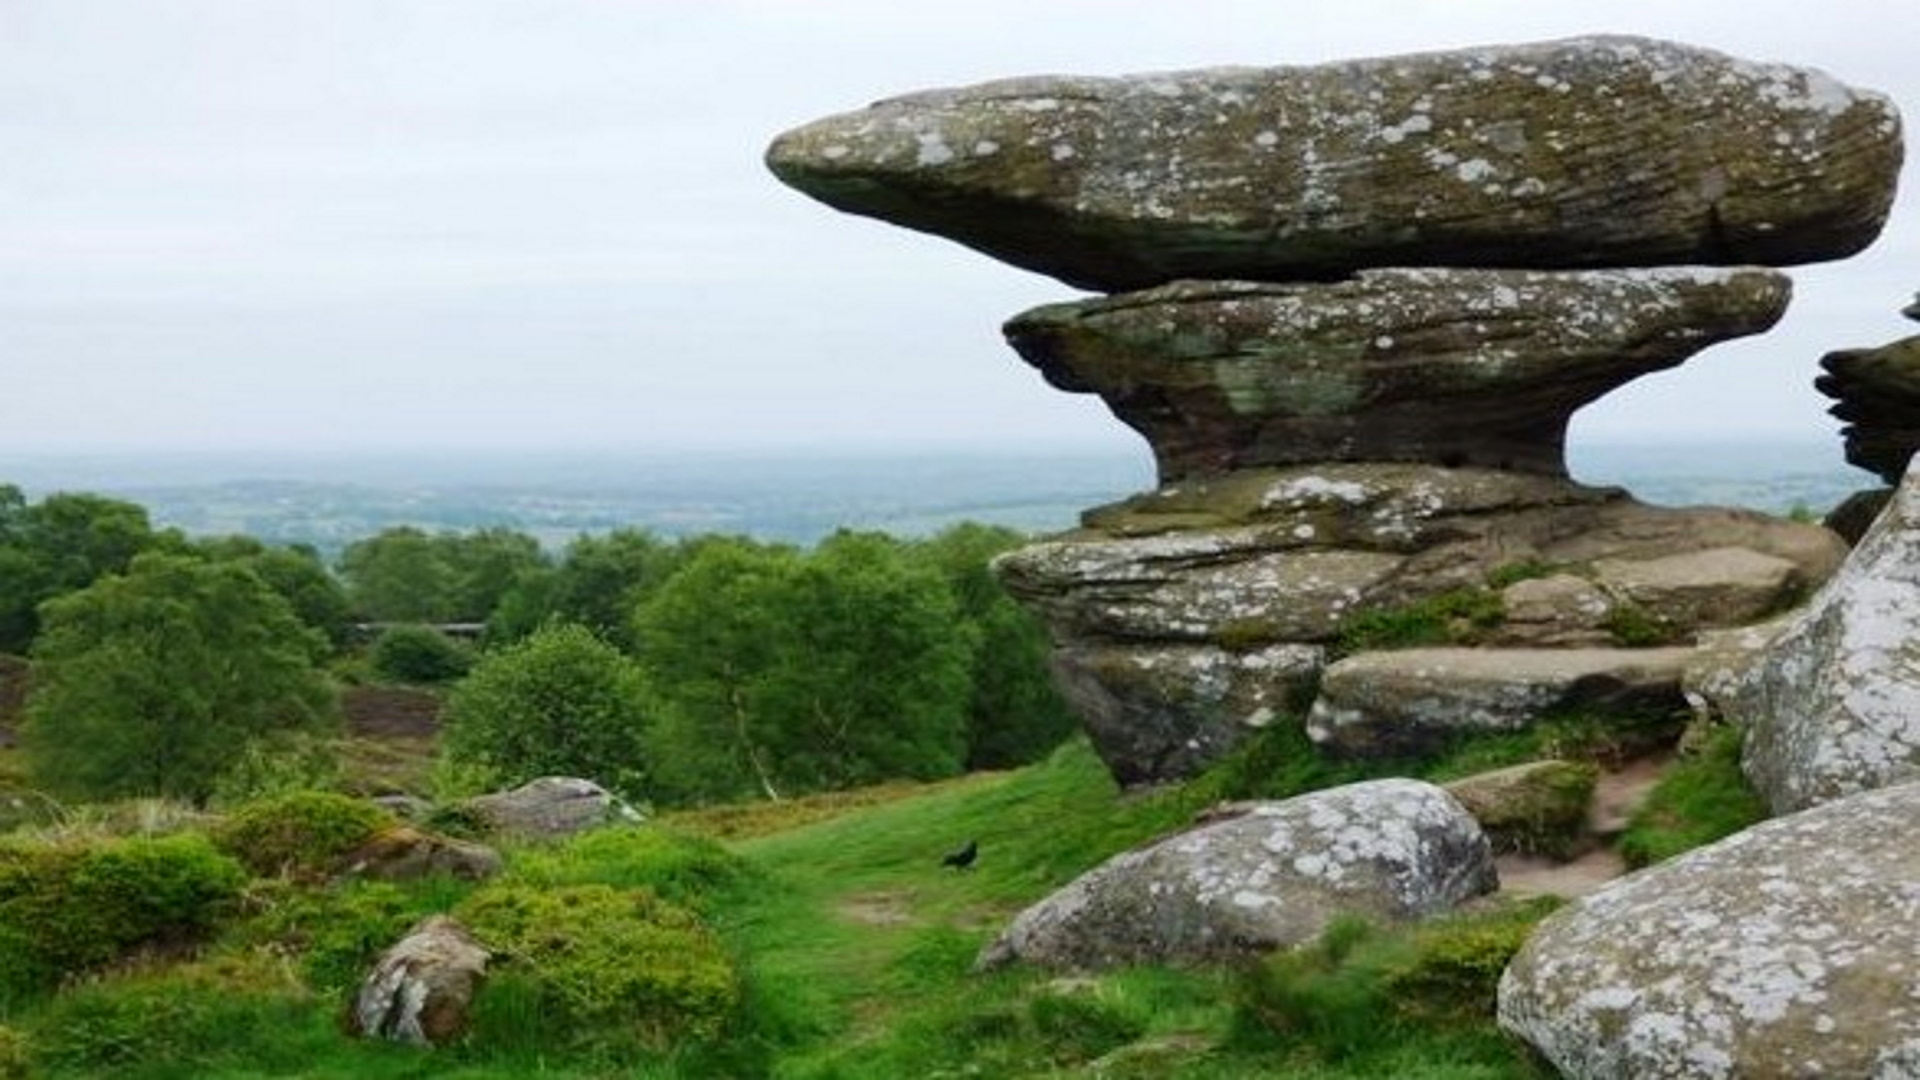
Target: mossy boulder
1535,807
1588,152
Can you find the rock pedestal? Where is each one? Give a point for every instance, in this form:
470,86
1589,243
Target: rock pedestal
1356,305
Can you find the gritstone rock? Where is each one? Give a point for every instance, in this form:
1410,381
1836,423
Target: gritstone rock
1832,706
1877,393
421,990
1788,950
551,807
1270,878
1451,367
1589,152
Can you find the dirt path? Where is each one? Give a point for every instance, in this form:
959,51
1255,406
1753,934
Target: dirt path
1615,797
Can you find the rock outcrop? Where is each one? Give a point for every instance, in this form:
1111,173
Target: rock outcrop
1603,151
1271,877
1877,393
421,990
1832,705
1408,702
1358,304
405,853
551,807
1449,367
1788,950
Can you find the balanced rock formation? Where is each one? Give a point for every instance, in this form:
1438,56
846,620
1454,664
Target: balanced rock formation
1590,152
1358,304
1832,704
1450,367
421,990
1788,950
1272,877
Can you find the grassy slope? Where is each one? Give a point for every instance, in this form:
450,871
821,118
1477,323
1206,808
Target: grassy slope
858,947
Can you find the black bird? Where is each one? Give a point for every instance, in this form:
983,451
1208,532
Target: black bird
962,859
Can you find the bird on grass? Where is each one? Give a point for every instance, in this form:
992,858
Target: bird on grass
962,859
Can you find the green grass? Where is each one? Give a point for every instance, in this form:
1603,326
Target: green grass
1702,798
854,949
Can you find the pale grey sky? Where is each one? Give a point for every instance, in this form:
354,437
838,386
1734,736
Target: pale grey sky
366,224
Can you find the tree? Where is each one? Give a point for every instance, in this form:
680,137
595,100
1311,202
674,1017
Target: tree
154,681
786,673
561,702
298,574
1015,714
399,575
58,545
598,583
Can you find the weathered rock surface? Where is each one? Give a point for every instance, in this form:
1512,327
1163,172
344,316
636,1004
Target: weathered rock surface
405,853
421,990
1602,151
1273,877
1413,701
1287,555
1555,611
1788,950
1833,706
1711,587
1451,367
1538,806
1856,513
551,807
1878,395
1159,712
1716,675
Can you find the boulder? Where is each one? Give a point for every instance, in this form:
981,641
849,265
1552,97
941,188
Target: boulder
1413,701
1833,706
1537,806
1555,611
1716,673
551,807
1451,367
1855,514
421,990
1589,152
1787,950
1723,586
1271,877
1162,712
1877,392
404,853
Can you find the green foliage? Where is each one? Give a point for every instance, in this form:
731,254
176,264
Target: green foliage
561,702
1015,715
688,870
597,584
74,906
1515,572
60,545
405,575
785,673
609,963
300,577
154,682
334,934
305,833
411,653
278,764
1360,990
1700,799
1633,627
1459,617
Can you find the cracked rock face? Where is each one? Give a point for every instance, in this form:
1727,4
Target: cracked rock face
1271,878
1832,705
1589,152
1788,950
1451,367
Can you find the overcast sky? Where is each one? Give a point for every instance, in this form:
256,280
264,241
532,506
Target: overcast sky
367,224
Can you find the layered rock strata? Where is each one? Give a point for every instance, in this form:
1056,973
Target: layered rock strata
1590,152
1367,297
1877,394
1450,367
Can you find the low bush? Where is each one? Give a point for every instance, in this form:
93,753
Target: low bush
606,964
334,934
692,871
76,906
303,834
418,654
1460,617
